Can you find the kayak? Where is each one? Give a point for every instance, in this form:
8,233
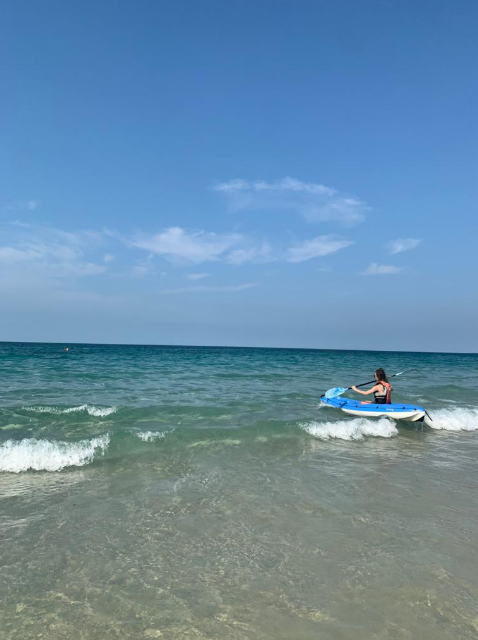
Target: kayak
408,412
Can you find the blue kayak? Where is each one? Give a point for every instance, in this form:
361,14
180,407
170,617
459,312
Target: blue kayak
408,412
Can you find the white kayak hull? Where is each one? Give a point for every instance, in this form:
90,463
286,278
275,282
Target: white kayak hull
406,412
408,416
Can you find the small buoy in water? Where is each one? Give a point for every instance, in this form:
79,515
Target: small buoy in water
66,349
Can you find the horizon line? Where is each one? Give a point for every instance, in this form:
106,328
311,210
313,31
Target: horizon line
225,346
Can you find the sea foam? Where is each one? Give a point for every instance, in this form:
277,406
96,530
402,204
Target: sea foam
454,419
149,436
355,429
45,455
99,412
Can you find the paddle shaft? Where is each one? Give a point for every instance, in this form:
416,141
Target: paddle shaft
364,384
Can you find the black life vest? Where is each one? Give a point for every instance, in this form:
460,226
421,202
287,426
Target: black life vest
384,397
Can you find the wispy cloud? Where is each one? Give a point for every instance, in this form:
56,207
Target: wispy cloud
375,269
397,246
19,223
145,267
140,270
315,248
22,205
183,246
210,288
286,184
53,252
197,276
39,253
83,269
314,201
259,254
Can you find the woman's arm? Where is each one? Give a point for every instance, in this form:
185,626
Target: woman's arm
366,393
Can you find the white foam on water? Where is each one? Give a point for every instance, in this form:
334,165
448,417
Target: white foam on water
99,412
45,455
356,429
215,443
454,419
150,436
7,427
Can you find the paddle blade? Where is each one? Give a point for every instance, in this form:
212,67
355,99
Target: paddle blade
335,392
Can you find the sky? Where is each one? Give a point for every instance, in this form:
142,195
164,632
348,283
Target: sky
266,173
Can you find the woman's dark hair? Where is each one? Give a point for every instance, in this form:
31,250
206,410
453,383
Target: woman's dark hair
381,375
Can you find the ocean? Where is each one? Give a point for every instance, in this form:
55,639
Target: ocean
193,492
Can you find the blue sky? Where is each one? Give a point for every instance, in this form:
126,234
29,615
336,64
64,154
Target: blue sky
257,173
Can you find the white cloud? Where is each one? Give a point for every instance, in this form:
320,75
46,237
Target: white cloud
108,257
36,252
22,205
83,269
19,223
286,184
397,246
232,186
252,254
52,252
375,269
344,210
317,247
210,288
315,202
140,270
180,245
144,268
197,276
12,254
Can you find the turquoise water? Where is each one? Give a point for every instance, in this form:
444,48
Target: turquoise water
178,492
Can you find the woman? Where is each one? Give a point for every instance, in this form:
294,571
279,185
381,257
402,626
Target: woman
382,390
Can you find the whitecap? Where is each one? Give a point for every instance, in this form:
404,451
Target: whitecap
454,419
46,455
355,429
100,412
150,436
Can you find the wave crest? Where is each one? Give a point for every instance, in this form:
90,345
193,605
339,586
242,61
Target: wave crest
356,429
149,436
454,419
100,412
44,455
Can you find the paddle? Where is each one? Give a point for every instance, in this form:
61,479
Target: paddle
338,391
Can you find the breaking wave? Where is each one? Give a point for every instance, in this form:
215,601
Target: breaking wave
99,412
44,455
149,436
454,419
356,429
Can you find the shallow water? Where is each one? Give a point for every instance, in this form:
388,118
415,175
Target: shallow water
160,492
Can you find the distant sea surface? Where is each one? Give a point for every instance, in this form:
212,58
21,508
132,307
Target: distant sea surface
191,492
